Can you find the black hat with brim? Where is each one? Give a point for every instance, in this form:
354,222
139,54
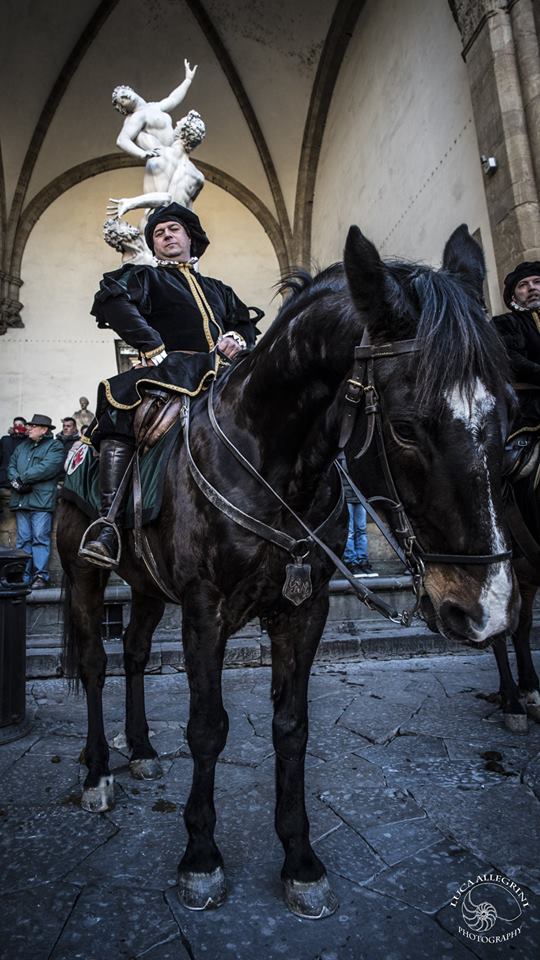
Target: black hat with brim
40,420
190,220
529,268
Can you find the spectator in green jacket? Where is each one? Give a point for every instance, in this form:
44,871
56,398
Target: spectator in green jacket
33,471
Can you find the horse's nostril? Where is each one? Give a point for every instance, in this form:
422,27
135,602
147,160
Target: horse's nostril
464,621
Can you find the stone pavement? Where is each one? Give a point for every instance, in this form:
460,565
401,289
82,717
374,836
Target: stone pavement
414,788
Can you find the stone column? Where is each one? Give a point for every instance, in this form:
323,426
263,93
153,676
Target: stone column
525,32
10,305
500,48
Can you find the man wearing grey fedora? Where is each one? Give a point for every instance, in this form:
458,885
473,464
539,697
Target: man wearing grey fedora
33,472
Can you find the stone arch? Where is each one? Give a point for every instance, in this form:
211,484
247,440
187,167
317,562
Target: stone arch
115,161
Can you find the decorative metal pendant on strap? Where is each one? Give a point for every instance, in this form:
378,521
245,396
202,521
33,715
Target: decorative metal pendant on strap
297,586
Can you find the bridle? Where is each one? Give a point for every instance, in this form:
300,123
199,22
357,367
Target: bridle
362,386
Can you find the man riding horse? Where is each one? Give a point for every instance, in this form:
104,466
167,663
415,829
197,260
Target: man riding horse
182,324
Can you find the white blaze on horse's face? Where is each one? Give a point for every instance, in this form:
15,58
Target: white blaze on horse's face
496,593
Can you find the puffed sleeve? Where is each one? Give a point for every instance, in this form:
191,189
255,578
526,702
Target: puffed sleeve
511,332
122,304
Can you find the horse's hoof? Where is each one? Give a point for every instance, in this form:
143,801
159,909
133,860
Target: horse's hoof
202,891
533,711
101,798
516,722
146,769
532,704
314,901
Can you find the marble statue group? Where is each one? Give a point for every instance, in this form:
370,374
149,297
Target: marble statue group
169,174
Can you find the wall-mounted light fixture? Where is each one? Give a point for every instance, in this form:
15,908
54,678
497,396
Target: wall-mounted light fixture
489,164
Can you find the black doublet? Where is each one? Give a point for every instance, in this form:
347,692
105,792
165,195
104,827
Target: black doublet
520,332
172,309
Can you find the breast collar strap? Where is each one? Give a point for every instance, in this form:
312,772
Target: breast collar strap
298,549
362,385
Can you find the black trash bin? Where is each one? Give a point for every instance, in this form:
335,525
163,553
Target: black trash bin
13,593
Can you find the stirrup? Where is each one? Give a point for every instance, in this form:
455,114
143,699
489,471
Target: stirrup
109,563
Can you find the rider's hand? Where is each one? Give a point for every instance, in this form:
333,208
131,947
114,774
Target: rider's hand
189,72
228,347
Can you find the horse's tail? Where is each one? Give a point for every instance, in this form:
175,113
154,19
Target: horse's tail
70,648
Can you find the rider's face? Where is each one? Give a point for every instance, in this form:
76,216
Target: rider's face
171,241
527,292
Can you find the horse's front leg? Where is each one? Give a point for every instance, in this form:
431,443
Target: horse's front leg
146,612
529,685
201,879
295,637
515,717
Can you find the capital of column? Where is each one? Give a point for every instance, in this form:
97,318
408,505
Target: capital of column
470,16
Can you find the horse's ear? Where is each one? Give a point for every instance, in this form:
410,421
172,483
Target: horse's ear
463,256
365,271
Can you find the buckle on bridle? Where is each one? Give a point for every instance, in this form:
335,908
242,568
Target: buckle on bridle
355,391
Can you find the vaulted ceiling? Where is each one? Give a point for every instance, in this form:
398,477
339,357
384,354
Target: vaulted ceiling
266,74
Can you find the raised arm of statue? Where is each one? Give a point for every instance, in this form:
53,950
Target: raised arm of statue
133,125
175,98
118,207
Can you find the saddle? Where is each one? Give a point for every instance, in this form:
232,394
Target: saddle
522,455
154,417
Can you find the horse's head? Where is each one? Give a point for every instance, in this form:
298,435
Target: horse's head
443,417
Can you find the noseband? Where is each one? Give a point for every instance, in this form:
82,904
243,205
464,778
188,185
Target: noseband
362,386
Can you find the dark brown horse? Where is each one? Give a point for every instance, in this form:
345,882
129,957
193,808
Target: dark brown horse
444,416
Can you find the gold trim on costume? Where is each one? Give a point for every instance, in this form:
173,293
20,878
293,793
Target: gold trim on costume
158,383
152,353
536,319
204,307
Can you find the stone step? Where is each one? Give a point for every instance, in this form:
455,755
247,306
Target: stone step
352,631
44,607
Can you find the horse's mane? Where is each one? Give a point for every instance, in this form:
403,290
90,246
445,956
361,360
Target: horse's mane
458,343
306,290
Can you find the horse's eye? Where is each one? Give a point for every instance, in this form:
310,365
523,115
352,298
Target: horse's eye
404,431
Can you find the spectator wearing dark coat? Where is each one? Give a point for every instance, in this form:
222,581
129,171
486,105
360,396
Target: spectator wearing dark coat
69,436
8,443
69,433
33,472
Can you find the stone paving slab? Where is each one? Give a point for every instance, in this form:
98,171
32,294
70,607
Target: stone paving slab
413,786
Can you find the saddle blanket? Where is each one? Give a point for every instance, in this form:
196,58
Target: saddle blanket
81,485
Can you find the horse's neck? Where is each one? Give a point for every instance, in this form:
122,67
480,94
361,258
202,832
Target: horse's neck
294,373
286,395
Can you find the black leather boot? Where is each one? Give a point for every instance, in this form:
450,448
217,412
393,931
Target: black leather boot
104,549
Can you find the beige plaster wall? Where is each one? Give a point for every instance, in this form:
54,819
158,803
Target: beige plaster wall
400,156
60,354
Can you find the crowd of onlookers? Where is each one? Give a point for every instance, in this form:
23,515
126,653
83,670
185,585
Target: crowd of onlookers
33,462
